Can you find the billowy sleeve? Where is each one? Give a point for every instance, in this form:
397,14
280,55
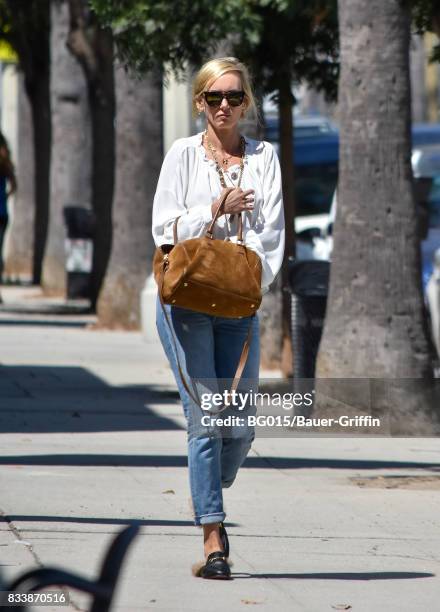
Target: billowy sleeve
267,236
169,199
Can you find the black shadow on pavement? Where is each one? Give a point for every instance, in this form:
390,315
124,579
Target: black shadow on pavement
50,399
285,463
12,518
148,460
44,323
343,575
97,460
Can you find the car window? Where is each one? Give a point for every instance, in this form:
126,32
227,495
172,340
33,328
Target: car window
434,203
314,188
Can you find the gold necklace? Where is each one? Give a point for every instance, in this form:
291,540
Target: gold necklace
225,160
218,166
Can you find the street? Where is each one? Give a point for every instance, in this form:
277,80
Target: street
92,437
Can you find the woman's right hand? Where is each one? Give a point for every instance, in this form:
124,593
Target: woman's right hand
236,201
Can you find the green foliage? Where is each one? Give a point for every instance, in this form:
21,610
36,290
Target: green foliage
426,18
149,33
297,38
422,12
279,39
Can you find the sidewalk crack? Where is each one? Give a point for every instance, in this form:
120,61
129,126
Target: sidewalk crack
6,519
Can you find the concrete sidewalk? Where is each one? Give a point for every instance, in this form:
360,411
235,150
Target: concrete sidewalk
92,437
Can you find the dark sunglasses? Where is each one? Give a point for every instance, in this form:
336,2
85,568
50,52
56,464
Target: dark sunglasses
215,98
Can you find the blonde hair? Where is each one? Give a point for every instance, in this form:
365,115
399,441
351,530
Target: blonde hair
213,70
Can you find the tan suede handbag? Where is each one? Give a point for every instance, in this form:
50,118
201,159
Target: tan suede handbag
209,275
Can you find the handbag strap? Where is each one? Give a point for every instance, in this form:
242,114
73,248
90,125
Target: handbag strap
241,362
210,230
175,230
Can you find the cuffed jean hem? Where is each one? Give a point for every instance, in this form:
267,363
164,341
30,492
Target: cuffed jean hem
206,519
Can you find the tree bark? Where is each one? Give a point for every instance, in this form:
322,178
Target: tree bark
39,96
276,346
417,77
436,22
138,160
20,252
285,105
270,313
271,327
375,326
93,48
71,151
30,36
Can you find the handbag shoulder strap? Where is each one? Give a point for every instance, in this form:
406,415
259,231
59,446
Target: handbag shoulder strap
175,230
210,230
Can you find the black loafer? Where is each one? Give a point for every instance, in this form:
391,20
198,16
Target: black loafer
216,567
224,539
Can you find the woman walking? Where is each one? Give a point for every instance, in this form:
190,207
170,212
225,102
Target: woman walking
197,174
8,185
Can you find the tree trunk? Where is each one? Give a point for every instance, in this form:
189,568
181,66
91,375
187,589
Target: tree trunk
71,150
436,22
20,253
93,48
102,107
287,168
138,161
276,346
39,97
271,327
418,61
270,313
30,35
375,326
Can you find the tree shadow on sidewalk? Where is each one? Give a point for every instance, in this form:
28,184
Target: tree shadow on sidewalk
35,322
151,460
86,520
50,399
340,576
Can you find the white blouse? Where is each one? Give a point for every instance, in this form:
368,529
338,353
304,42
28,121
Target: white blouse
189,184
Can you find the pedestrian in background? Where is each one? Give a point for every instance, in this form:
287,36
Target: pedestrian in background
8,185
196,173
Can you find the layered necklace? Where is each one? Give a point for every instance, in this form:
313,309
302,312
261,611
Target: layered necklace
225,160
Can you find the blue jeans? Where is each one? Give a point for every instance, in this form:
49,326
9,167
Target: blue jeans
209,349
